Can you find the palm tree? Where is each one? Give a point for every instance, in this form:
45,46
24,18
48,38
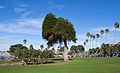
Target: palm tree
53,49
86,40
88,35
97,36
84,44
41,46
101,32
116,26
93,37
24,41
56,30
106,31
31,46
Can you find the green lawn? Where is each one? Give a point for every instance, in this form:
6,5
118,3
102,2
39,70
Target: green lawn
76,65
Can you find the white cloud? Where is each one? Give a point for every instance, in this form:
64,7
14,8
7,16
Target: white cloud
27,13
49,2
81,36
23,5
53,5
19,27
25,26
24,12
4,47
1,7
19,9
60,6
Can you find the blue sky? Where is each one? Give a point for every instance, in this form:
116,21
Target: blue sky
20,19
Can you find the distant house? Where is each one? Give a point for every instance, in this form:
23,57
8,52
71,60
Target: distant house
6,55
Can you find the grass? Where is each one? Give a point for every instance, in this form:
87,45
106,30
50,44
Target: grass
76,65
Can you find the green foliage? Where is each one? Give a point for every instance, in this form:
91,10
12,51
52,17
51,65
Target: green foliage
41,46
48,25
23,53
16,47
45,55
102,32
76,49
57,30
92,51
97,35
88,34
109,50
24,41
61,49
116,25
31,47
106,30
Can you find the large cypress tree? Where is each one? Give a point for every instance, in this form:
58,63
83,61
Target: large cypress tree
56,30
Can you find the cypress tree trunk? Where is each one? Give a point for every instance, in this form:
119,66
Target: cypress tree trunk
65,51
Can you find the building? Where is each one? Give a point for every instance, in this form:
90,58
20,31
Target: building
6,55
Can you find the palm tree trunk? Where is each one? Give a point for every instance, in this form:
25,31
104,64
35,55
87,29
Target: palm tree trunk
96,41
101,40
65,51
106,38
114,37
90,44
83,45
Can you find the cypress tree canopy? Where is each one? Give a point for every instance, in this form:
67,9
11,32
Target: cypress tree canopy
57,30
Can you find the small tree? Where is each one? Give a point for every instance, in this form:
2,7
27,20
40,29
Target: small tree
116,26
41,46
31,47
24,41
97,36
101,32
106,31
77,49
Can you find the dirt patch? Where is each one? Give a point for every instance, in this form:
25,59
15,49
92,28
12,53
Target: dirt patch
20,64
11,64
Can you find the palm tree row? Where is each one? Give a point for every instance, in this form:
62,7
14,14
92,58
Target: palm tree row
106,48
92,37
